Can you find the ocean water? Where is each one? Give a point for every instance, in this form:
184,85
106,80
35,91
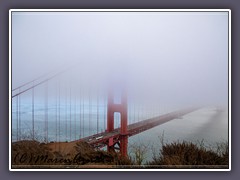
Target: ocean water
67,122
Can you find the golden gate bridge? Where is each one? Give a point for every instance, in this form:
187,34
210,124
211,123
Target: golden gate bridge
47,110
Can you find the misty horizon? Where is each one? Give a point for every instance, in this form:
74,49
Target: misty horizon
174,57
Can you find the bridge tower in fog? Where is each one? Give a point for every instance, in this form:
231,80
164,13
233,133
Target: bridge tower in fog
122,140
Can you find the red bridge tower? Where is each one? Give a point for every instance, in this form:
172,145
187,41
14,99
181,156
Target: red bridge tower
122,141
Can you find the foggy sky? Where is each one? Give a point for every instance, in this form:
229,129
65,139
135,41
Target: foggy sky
176,55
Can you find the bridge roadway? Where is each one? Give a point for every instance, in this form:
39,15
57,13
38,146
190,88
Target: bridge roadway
101,139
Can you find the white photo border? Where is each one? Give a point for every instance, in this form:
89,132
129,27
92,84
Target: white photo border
119,10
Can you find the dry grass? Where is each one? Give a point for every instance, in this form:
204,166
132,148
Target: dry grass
187,153
32,154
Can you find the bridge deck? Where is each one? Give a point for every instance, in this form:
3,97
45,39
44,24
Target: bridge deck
100,139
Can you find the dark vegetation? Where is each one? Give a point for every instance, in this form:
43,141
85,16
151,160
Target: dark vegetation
32,154
191,155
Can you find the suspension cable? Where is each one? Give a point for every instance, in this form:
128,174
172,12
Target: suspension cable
66,116
33,132
35,85
46,112
83,115
70,115
19,118
75,117
17,114
89,115
59,111
97,114
80,115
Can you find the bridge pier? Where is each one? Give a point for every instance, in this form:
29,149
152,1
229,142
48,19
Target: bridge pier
123,145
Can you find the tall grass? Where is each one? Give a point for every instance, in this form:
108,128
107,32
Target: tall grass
188,153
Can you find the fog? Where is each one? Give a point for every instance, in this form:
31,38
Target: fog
174,57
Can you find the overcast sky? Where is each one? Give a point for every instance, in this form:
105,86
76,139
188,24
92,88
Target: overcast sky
180,56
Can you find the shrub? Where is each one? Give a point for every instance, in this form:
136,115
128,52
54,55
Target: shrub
187,153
